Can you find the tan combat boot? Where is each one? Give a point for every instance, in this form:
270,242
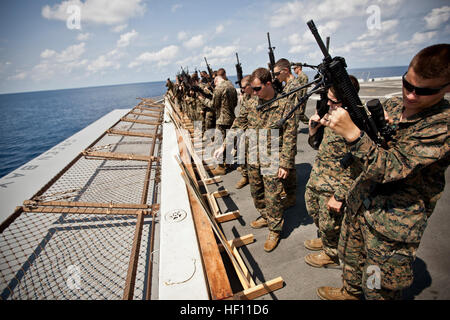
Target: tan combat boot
259,223
271,241
242,183
220,170
321,260
314,244
330,293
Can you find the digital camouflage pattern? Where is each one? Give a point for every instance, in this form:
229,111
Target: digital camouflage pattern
329,178
302,79
401,185
223,103
374,265
390,202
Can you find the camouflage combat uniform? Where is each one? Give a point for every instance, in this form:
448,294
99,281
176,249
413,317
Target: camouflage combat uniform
302,79
266,187
329,178
290,183
248,104
223,103
209,116
389,204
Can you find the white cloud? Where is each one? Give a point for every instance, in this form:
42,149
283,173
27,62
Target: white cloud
18,76
97,11
83,36
219,28
194,42
437,17
422,37
387,27
119,28
71,53
47,53
162,57
182,35
126,38
102,63
175,7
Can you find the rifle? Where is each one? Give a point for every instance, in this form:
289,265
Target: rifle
186,81
275,82
336,75
210,71
238,71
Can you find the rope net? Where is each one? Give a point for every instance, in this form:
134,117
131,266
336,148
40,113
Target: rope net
74,240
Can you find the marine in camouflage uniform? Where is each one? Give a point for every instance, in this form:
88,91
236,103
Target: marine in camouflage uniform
209,116
223,102
390,203
248,104
266,187
302,79
328,178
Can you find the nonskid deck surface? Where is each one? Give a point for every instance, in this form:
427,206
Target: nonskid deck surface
86,234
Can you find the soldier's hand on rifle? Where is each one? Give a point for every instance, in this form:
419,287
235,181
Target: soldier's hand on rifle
334,205
282,173
315,118
338,119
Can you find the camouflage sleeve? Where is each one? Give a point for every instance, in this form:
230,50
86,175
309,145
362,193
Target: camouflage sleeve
241,121
289,147
213,103
423,145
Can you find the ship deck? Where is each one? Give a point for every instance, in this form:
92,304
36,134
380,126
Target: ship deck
110,254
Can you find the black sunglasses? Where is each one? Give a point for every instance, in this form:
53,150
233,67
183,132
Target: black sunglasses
333,102
421,91
256,88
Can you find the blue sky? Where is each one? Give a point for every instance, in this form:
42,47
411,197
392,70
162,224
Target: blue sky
125,41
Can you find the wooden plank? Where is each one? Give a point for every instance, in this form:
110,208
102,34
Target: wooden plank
239,242
220,193
259,290
227,216
133,133
118,156
152,123
219,284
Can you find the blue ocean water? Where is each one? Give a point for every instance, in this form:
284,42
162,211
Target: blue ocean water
33,122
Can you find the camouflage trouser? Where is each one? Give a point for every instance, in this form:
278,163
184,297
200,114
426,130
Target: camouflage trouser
266,193
373,264
210,120
328,222
300,114
290,183
223,130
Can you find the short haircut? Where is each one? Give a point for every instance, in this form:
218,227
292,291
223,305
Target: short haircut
432,62
262,74
245,79
222,73
283,64
354,82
